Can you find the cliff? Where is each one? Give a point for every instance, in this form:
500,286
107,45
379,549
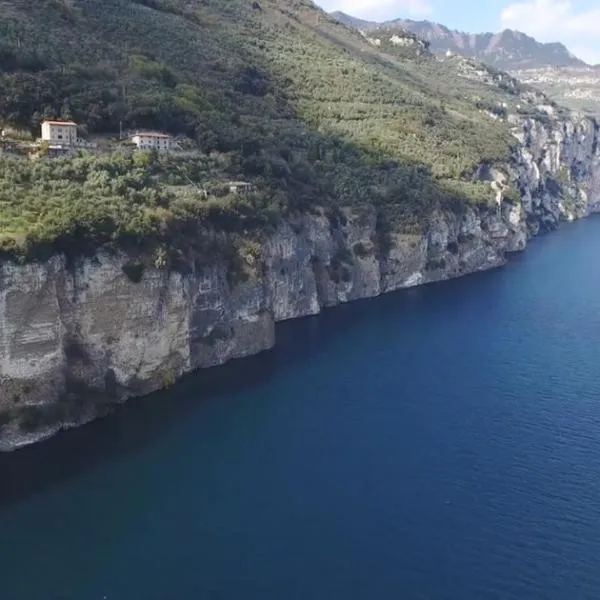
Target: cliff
76,339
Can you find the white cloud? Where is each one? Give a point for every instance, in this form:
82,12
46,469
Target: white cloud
551,17
538,17
586,53
379,9
553,20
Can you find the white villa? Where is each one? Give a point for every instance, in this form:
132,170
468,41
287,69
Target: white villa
59,133
152,140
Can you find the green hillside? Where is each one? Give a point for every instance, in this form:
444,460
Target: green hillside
272,91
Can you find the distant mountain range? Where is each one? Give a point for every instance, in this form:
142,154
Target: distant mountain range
508,50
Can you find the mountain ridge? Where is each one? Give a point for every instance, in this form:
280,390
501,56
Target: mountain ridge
508,49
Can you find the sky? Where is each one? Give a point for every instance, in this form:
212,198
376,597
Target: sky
576,23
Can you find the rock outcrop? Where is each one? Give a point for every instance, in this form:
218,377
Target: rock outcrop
557,168
76,339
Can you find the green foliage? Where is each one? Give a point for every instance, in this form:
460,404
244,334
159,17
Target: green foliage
511,195
273,92
75,204
168,378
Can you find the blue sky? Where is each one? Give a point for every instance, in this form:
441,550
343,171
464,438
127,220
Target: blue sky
576,23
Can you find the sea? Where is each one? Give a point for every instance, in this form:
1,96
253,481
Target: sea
437,443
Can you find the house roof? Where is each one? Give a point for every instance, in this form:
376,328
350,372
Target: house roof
59,122
151,134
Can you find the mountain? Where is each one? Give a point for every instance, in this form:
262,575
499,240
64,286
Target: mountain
508,50
273,92
355,22
549,67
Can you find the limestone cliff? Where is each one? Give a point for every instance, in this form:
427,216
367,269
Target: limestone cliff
76,339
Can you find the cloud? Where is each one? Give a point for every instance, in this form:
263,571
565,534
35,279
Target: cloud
379,9
551,17
552,20
586,53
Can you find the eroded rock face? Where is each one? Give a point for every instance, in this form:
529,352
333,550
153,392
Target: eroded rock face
557,169
77,339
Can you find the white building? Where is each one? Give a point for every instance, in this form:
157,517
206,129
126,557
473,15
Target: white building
60,133
152,140
242,188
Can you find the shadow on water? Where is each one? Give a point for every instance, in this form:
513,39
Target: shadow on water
139,422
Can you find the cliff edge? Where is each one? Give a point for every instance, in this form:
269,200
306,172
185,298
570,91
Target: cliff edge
78,338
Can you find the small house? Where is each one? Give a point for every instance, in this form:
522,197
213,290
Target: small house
241,188
59,133
152,140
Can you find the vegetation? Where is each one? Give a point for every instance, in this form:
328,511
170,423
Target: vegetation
76,204
272,91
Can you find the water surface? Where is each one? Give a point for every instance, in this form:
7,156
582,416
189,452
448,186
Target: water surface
439,443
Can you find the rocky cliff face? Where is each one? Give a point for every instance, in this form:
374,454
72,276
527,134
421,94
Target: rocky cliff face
77,339
557,168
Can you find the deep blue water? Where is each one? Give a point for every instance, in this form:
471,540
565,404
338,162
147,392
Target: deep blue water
439,443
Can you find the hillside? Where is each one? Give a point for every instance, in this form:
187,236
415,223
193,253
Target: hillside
549,67
575,87
508,50
274,92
